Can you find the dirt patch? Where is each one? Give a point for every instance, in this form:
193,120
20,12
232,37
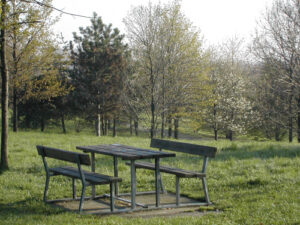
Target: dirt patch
170,212
146,209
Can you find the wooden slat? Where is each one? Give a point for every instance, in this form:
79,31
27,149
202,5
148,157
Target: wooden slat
141,153
105,150
63,155
94,178
184,147
125,152
170,170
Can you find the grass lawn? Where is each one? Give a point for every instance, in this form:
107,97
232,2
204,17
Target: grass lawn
249,182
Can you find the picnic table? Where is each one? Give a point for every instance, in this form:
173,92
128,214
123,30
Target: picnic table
132,154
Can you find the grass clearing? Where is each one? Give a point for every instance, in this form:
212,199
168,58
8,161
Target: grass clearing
249,182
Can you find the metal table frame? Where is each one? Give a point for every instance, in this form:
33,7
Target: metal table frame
132,154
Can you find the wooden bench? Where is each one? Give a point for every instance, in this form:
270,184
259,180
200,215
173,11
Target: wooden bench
87,178
193,149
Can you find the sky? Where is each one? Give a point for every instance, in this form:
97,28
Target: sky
217,20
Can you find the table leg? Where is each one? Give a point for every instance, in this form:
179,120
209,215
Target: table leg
116,174
93,170
133,184
157,181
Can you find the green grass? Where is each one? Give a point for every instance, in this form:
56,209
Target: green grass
249,182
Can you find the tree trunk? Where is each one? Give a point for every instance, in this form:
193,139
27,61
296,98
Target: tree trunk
15,112
216,134
107,130
105,127
277,133
4,91
268,134
136,127
63,123
15,70
102,125
27,122
162,134
215,122
170,127
42,124
290,123
176,126
229,135
114,127
98,125
298,131
130,125
108,125
152,104
290,129
152,118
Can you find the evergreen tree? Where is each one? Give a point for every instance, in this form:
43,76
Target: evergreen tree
99,63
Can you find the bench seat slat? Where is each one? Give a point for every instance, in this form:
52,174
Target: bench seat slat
166,169
94,178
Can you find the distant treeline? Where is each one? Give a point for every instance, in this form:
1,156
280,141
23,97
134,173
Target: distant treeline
158,75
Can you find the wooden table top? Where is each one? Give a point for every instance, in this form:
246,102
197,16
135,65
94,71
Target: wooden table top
125,152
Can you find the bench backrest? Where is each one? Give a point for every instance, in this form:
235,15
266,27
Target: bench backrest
206,151
64,155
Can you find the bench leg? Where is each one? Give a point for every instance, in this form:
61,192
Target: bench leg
46,187
116,174
82,197
133,184
205,190
93,167
163,190
157,181
74,188
112,197
177,191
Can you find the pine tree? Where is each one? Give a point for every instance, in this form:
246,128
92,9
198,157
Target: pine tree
100,60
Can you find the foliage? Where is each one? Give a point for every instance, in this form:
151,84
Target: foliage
277,44
33,56
232,110
271,102
169,59
99,60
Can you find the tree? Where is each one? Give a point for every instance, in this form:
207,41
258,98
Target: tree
63,104
132,97
277,43
231,110
169,55
143,26
27,47
4,91
30,45
271,102
99,62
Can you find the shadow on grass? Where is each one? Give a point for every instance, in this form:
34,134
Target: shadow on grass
248,184
35,169
254,151
27,207
243,152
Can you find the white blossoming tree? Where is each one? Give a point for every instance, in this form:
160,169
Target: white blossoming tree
231,111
